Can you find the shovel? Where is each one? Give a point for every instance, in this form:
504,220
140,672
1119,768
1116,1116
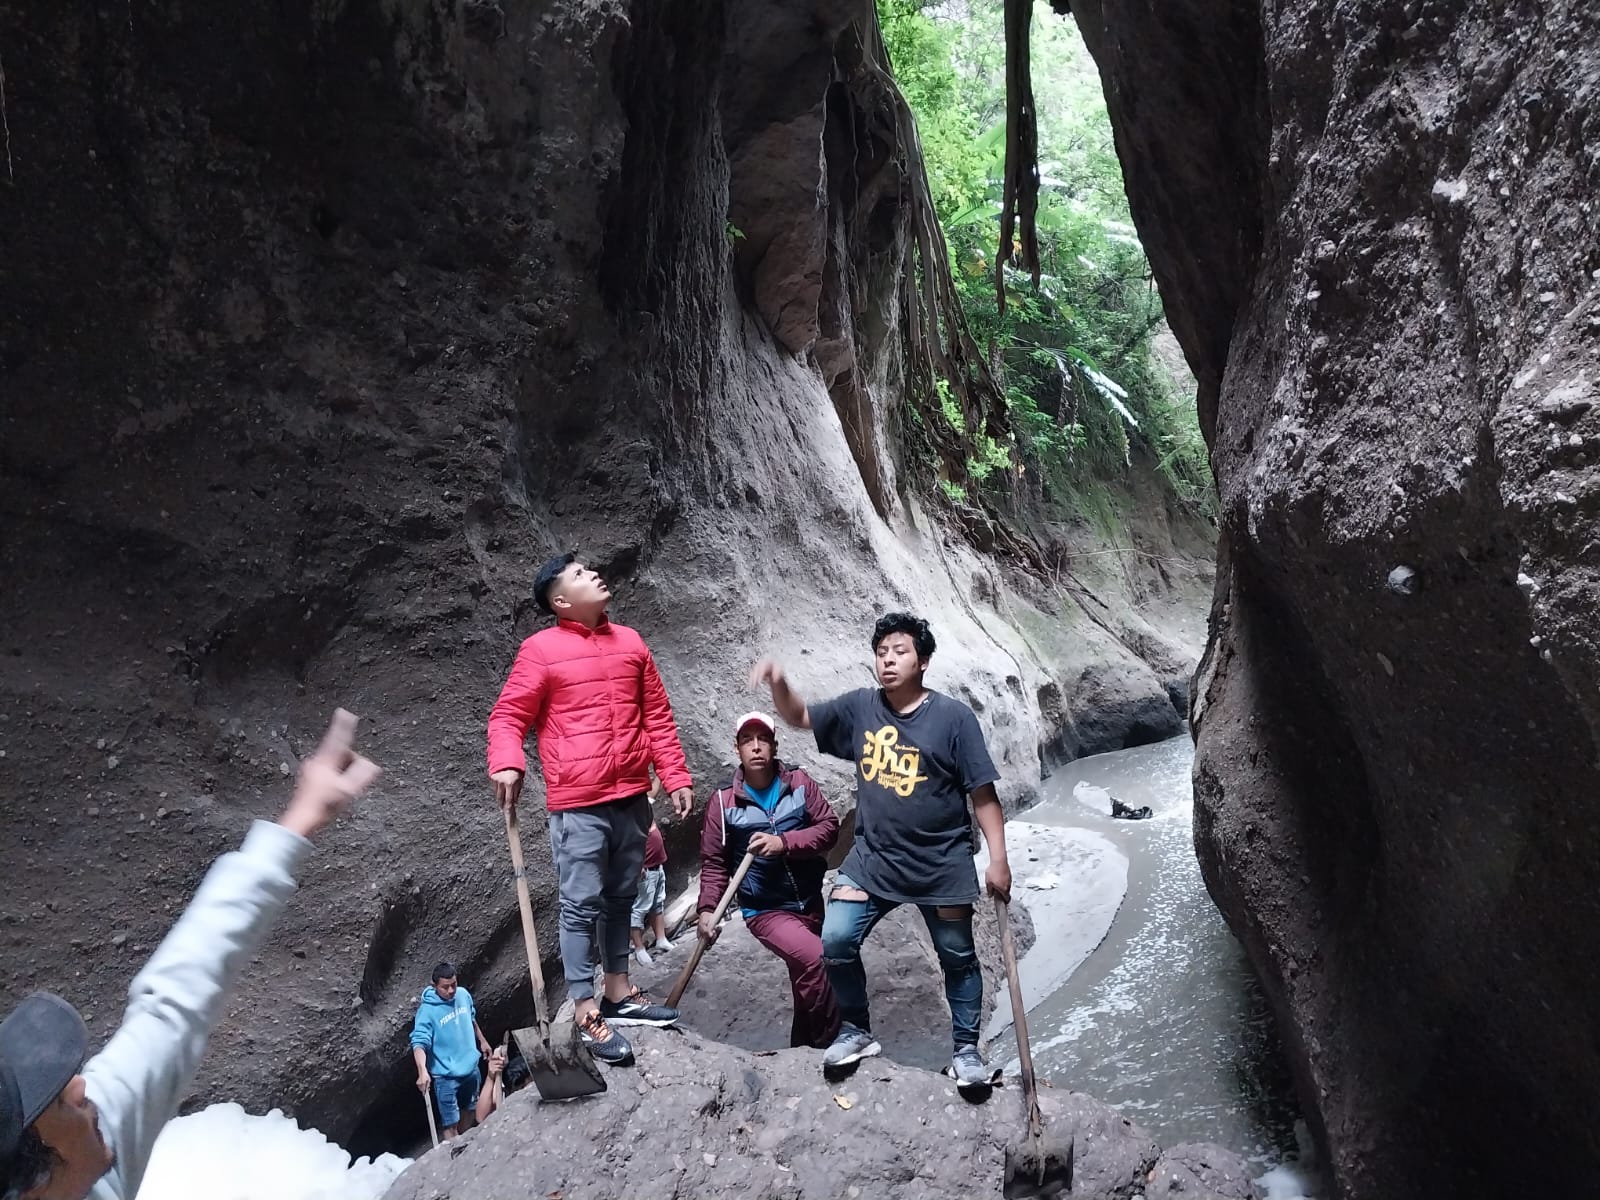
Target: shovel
700,943
1035,1166
559,1064
433,1126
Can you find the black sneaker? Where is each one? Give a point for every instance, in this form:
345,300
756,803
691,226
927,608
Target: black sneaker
637,1009
603,1042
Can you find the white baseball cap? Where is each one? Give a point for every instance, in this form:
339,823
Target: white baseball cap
755,718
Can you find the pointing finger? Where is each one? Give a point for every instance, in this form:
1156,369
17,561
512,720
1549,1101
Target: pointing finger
340,737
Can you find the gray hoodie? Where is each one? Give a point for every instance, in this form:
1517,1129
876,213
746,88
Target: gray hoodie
137,1081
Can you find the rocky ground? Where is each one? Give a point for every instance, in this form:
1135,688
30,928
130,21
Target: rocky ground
697,1118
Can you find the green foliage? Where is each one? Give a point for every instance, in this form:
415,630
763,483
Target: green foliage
1082,385
924,52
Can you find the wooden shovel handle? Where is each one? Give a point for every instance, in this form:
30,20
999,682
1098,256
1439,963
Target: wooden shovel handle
700,943
1019,1018
433,1126
530,939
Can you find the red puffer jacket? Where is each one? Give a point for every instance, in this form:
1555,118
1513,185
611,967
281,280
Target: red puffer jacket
596,701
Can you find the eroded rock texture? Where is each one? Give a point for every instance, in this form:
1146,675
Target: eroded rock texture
698,1118
1375,228
321,325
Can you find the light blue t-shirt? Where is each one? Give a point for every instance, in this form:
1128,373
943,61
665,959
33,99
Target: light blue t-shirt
767,799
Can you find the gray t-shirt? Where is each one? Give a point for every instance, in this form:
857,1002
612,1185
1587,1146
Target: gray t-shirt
914,772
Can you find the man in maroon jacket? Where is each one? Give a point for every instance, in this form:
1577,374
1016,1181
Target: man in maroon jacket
591,691
780,814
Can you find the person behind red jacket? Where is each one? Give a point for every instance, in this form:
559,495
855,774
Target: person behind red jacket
591,691
780,814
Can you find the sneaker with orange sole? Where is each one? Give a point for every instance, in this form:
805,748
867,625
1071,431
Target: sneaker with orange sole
604,1042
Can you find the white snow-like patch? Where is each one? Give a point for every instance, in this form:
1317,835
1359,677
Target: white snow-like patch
1286,1182
225,1153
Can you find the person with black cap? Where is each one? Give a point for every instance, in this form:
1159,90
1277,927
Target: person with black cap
76,1131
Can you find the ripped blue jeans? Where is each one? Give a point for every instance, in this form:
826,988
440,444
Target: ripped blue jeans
846,925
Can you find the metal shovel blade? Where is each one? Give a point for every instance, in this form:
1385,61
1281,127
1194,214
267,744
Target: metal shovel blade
1037,1165
562,1067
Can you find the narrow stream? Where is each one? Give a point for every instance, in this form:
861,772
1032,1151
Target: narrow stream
1165,1020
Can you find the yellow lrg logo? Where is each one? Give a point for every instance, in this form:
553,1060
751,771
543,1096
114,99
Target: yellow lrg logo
893,768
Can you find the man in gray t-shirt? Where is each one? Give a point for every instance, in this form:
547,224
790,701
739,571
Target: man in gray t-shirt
919,757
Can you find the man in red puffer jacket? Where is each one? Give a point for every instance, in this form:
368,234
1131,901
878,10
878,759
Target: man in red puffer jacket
591,692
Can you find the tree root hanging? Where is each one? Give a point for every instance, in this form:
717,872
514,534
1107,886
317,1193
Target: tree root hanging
939,344
5,125
1019,207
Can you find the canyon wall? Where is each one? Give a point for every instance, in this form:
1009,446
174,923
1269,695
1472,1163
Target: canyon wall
1375,231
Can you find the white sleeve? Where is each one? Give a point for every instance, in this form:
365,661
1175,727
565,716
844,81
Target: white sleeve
137,1081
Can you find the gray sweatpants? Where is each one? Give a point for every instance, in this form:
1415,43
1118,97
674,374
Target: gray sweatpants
599,852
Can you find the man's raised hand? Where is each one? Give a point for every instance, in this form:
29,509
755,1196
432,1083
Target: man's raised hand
497,1062
767,671
790,707
329,779
507,787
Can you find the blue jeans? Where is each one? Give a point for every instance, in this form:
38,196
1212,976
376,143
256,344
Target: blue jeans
455,1094
846,925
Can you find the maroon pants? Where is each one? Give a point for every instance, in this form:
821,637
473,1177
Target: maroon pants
797,939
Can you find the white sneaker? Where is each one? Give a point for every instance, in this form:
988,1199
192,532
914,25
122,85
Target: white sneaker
642,957
663,946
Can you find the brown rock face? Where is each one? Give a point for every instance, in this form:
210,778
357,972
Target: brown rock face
1375,228
320,326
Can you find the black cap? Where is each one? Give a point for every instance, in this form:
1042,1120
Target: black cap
42,1046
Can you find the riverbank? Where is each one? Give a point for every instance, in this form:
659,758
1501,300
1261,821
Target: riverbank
1162,1018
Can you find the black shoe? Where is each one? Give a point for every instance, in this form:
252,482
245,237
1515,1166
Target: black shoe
605,1043
636,1009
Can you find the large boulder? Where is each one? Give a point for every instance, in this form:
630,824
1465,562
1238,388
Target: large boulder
696,1118
1199,1171
1375,231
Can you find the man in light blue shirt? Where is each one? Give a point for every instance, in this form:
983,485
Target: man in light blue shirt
446,1042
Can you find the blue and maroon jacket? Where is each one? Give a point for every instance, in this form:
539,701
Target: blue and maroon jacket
802,817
